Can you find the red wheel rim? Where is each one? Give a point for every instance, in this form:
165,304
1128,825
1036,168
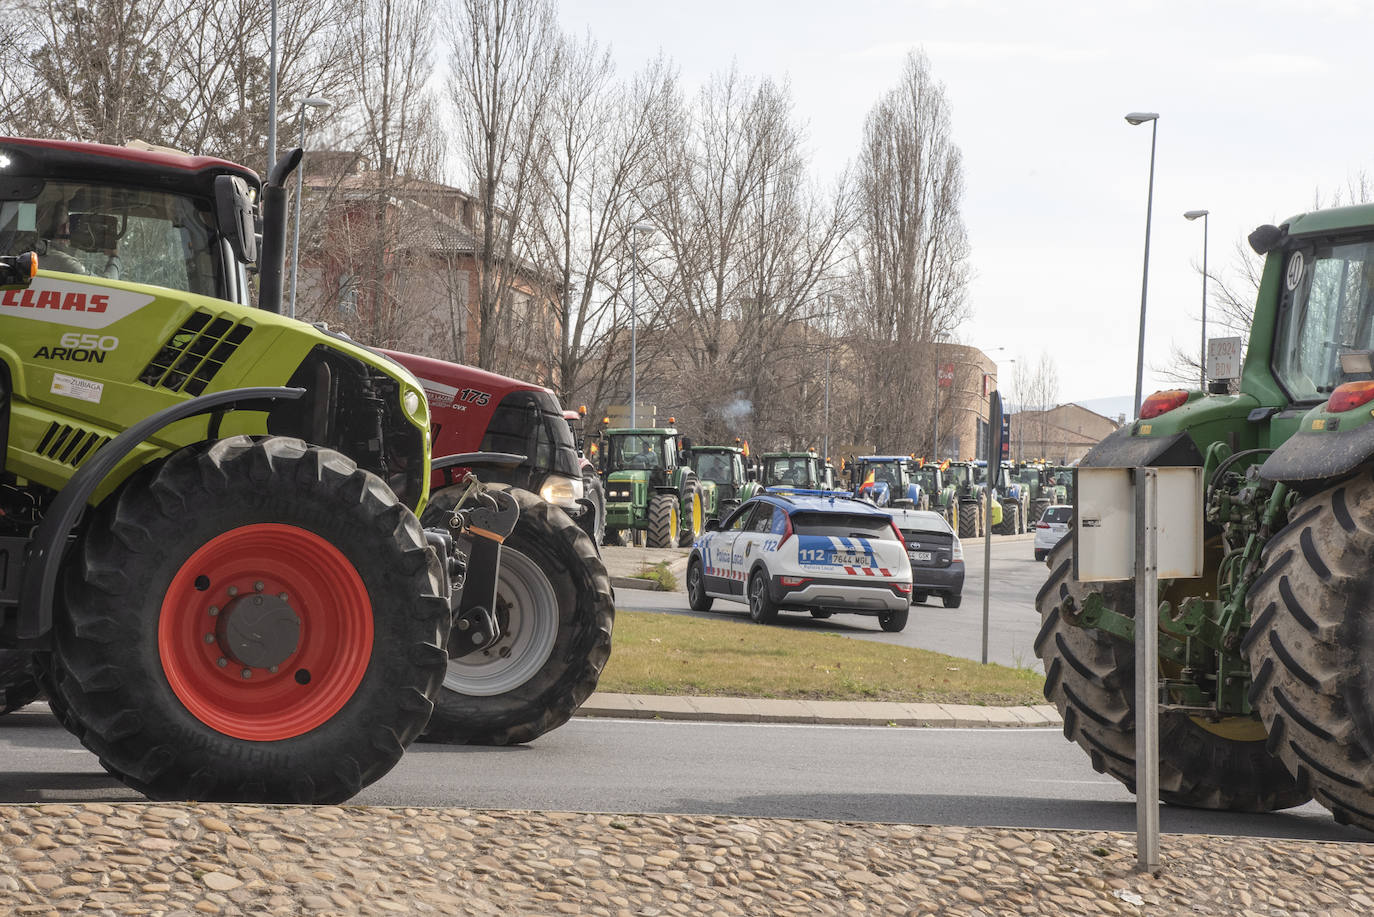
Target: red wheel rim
318,675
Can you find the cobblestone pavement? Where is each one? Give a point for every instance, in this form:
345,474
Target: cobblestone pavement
163,859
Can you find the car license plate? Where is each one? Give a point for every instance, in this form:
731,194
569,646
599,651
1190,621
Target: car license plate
920,555
850,560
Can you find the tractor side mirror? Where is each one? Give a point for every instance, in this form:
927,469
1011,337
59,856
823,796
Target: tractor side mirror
235,218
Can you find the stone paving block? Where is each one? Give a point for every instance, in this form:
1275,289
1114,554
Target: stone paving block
1001,716
885,712
1050,712
603,703
1027,715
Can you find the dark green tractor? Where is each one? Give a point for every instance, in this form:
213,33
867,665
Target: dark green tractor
1267,661
792,469
652,494
937,492
722,477
1042,490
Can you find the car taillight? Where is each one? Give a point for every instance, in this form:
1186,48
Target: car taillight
903,588
1350,395
787,529
1042,525
1163,402
958,553
793,580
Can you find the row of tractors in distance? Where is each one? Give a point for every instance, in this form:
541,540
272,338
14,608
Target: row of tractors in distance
230,556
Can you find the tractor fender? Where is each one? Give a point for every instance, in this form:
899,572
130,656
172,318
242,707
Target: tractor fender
1310,456
1120,449
49,543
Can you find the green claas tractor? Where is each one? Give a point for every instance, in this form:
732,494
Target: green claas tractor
722,478
791,469
651,493
209,549
1267,661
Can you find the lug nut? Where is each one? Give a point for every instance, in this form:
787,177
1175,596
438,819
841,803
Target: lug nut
247,673
258,586
282,596
214,610
221,662
209,638
463,624
233,590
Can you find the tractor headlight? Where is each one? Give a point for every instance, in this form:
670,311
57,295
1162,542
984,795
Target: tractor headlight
560,491
412,403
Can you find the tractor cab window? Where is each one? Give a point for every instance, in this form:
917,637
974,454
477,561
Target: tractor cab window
642,452
134,234
789,471
1328,309
714,466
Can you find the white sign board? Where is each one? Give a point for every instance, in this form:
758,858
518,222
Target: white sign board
1224,356
1104,524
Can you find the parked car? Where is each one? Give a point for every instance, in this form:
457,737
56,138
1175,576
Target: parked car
804,551
935,554
1053,525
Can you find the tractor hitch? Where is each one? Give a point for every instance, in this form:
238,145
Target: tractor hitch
480,523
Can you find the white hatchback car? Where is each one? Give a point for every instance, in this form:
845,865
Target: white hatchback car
1053,526
804,550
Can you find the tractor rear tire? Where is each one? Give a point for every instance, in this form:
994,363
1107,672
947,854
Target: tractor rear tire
663,522
968,521
556,608
1090,677
19,685
692,522
1311,648
185,689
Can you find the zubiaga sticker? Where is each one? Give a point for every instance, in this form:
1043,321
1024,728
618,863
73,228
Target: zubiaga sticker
64,302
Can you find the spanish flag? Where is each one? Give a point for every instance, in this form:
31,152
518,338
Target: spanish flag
868,481
944,466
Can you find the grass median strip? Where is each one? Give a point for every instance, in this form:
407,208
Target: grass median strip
676,654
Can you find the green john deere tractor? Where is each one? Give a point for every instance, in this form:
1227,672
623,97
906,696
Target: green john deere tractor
721,476
970,501
1042,490
1267,661
792,469
652,495
937,491
209,547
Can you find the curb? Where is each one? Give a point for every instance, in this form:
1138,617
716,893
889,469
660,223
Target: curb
844,713
634,582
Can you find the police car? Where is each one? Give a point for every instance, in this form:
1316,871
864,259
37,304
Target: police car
804,550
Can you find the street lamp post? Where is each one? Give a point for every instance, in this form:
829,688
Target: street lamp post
833,302
307,102
1136,118
272,93
635,230
1202,359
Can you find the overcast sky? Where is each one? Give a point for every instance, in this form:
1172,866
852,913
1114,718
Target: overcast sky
1262,105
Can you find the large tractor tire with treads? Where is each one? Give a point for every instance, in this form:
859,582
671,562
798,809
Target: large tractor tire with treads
663,522
1311,648
1090,678
692,520
19,684
258,620
556,609
968,521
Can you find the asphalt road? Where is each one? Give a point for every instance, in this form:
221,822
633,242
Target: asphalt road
1012,620
1004,777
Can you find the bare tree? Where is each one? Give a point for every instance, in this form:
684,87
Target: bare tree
912,252
505,60
1037,391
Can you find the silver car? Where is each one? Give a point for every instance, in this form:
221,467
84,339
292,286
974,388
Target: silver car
1053,525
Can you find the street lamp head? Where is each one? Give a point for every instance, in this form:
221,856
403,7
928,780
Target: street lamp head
315,102
1140,117
642,227
1194,214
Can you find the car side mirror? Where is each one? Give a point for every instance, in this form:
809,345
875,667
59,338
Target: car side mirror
713,525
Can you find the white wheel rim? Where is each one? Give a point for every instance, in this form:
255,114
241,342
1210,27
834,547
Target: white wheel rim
528,641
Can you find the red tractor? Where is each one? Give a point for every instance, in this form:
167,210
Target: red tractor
554,601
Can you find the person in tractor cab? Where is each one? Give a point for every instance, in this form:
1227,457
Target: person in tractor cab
69,239
646,458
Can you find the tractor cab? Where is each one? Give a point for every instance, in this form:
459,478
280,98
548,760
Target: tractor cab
791,469
886,480
723,478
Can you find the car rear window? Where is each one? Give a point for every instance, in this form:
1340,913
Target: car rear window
1059,514
842,525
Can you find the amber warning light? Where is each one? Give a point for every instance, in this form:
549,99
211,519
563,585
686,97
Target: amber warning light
18,269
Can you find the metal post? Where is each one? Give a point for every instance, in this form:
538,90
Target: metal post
272,95
1146,670
296,242
634,276
1203,358
827,397
935,433
1145,272
987,553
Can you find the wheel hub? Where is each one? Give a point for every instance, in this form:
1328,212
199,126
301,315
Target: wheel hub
261,631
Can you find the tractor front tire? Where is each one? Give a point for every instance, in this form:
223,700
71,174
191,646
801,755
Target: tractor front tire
1090,678
1311,648
692,521
663,522
556,609
968,521
258,620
